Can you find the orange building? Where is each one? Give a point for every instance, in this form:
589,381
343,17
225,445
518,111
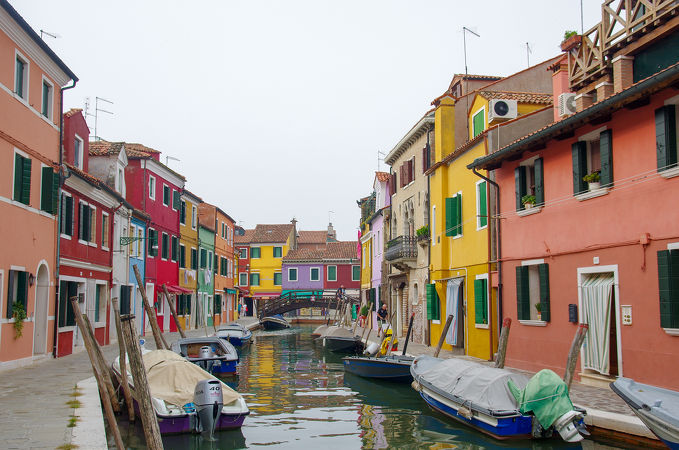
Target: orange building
32,78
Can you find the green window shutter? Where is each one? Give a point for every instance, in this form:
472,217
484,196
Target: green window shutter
666,137
277,279
539,181
218,304
522,293
478,124
194,259
450,216
69,216
255,252
579,153
332,273
63,289
668,281
433,310
458,215
22,289
81,220
175,248
543,271
45,99
176,201
97,300
182,256
19,77
55,192
480,301
46,189
26,182
18,174
203,258
182,213
606,149
356,273
520,185
165,245
483,205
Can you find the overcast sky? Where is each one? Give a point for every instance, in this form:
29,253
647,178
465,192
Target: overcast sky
278,109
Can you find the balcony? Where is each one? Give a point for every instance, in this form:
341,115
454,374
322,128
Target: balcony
402,252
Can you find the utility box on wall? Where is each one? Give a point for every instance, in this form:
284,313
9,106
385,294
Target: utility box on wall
573,313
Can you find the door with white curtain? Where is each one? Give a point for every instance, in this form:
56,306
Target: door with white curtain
599,348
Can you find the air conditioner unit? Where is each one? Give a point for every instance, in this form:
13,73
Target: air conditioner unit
567,104
502,110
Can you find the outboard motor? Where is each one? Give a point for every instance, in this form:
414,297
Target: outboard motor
205,353
207,396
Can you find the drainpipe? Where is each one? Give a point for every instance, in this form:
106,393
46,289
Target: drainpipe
497,258
428,331
55,339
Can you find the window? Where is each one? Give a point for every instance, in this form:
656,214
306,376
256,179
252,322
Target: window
242,279
243,253
165,246
125,296
99,302
218,303
203,258
592,153
255,252
120,181
332,273
528,180
426,158
85,223
78,151
182,256
254,279
355,273
104,232
22,179
176,200
17,291
314,274
532,288
153,242
194,258
278,252
478,122
194,217
481,299
21,76
49,190
152,187
433,304
454,215
182,213
668,273
209,260
140,242
277,278
666,137
407,173
184,301
166,195
133,245
67,290
292,274
481,205
47,95
222,266
175,248
66,215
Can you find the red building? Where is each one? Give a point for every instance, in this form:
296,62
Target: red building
242,240
342,267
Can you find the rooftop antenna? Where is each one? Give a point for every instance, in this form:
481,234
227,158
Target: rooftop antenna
382,154
167,158
96,113
52,35
528,52
464,40
330,218
582,20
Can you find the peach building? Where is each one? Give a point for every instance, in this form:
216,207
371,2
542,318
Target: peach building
32,78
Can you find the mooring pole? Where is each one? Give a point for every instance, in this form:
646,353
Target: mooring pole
173,310
150,313
572,360
123,363
410,328
443,336
502,345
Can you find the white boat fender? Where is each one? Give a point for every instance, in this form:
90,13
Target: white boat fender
415,385
372,349
566,425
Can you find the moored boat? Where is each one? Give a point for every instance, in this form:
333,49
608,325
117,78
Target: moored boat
235,333
341,340
657,408
498,402
276,322
179,395
211,353
391,368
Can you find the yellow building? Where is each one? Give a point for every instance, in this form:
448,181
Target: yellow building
188,258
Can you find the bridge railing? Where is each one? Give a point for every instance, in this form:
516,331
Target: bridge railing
293,300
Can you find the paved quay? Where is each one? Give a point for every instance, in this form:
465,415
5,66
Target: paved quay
36,415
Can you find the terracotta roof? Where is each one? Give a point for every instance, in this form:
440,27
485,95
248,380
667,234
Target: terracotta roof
521,97
72,112
271,233
244,239
305,254
382,176
84,175
341,250
312,237
101,148
96,182
133,148
477,77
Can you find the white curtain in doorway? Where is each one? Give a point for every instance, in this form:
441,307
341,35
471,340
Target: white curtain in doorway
596,293
452,306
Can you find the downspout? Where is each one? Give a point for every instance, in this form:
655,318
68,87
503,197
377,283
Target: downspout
428,330
55,339
498,257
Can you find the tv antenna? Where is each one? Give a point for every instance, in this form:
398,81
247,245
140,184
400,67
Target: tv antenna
52,35
528,52
330,218
464,41
96,112
382,154
168,158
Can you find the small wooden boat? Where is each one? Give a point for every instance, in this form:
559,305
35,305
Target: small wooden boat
390,368
211,353
175,400
341,340
235,333
276,322
497,402
657,408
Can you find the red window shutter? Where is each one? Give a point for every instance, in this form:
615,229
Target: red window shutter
393,183
402,174
412,170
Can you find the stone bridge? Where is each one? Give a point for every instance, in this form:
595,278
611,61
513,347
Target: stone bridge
313,298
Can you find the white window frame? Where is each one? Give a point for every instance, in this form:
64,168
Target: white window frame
50,107
274,278
484,276
533,291
240,279
102,301
108,224
433,225
290,269
152,187
78,161
240,251
194,217
169,196
311,277
478,206
27,71
327,275
65,194
93,226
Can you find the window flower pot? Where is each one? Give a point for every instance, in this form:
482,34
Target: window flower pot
528,205
594,185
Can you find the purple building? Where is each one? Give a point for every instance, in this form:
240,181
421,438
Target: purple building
303,269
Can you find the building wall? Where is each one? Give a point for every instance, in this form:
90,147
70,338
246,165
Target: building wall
139,260
188,277
205,284
266,266
344,276
303,276
224,249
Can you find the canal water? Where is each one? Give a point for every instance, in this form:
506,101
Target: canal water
300,398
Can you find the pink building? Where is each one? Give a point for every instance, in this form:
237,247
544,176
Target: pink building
32,78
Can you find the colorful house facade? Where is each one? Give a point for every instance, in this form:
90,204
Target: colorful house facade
206,277
188,259
130,295
242,240
32,77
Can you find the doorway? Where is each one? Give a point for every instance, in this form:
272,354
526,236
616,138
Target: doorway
455,306
41,304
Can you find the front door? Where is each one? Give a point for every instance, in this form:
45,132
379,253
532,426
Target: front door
41,305
599,349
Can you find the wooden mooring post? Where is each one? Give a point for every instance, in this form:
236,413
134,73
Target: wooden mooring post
572,360
150,313
443,336
123,363
173,310
502,344
106,400
141,385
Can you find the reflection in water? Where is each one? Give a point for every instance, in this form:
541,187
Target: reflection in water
300,397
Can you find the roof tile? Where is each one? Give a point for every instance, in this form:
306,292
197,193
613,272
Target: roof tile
521,97
271,233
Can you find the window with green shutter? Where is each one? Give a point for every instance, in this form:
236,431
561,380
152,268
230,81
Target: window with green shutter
314,274
543,272
166,195
254,279
668,283
67,290
525,277
481,205
529,180
153,242
292,274
203,258
433,305
17,290
666,137
46,99
194,259
20,77
522,293
278,252
176,201
520,188
182,256
22,179
478,123
182,213
355,273
67,215
165,246
84,222
278,278
481,301
255,252
125,296
175,248
454,215
49,188
332,273
97,302
218,303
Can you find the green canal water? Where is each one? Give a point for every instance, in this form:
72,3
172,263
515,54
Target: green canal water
300,398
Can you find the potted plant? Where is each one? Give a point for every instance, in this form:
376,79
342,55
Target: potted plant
571,40
538,308
422,234
528,201
19,315
593,180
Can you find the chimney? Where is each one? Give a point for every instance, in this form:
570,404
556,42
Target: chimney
560,83
623,72
332,236
293,235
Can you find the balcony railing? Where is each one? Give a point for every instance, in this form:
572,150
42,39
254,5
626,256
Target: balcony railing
403,247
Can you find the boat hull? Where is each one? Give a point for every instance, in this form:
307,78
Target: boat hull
186,423
395,369
342,344
270,324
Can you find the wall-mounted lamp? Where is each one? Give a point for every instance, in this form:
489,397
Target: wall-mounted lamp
31,279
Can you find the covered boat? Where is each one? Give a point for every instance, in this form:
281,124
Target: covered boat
658,408
339,339
211,353
235,333
500,403
276,322
391,368
176,387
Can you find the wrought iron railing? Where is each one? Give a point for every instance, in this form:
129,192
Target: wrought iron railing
403,247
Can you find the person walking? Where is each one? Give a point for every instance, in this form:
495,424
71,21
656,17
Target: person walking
382,318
